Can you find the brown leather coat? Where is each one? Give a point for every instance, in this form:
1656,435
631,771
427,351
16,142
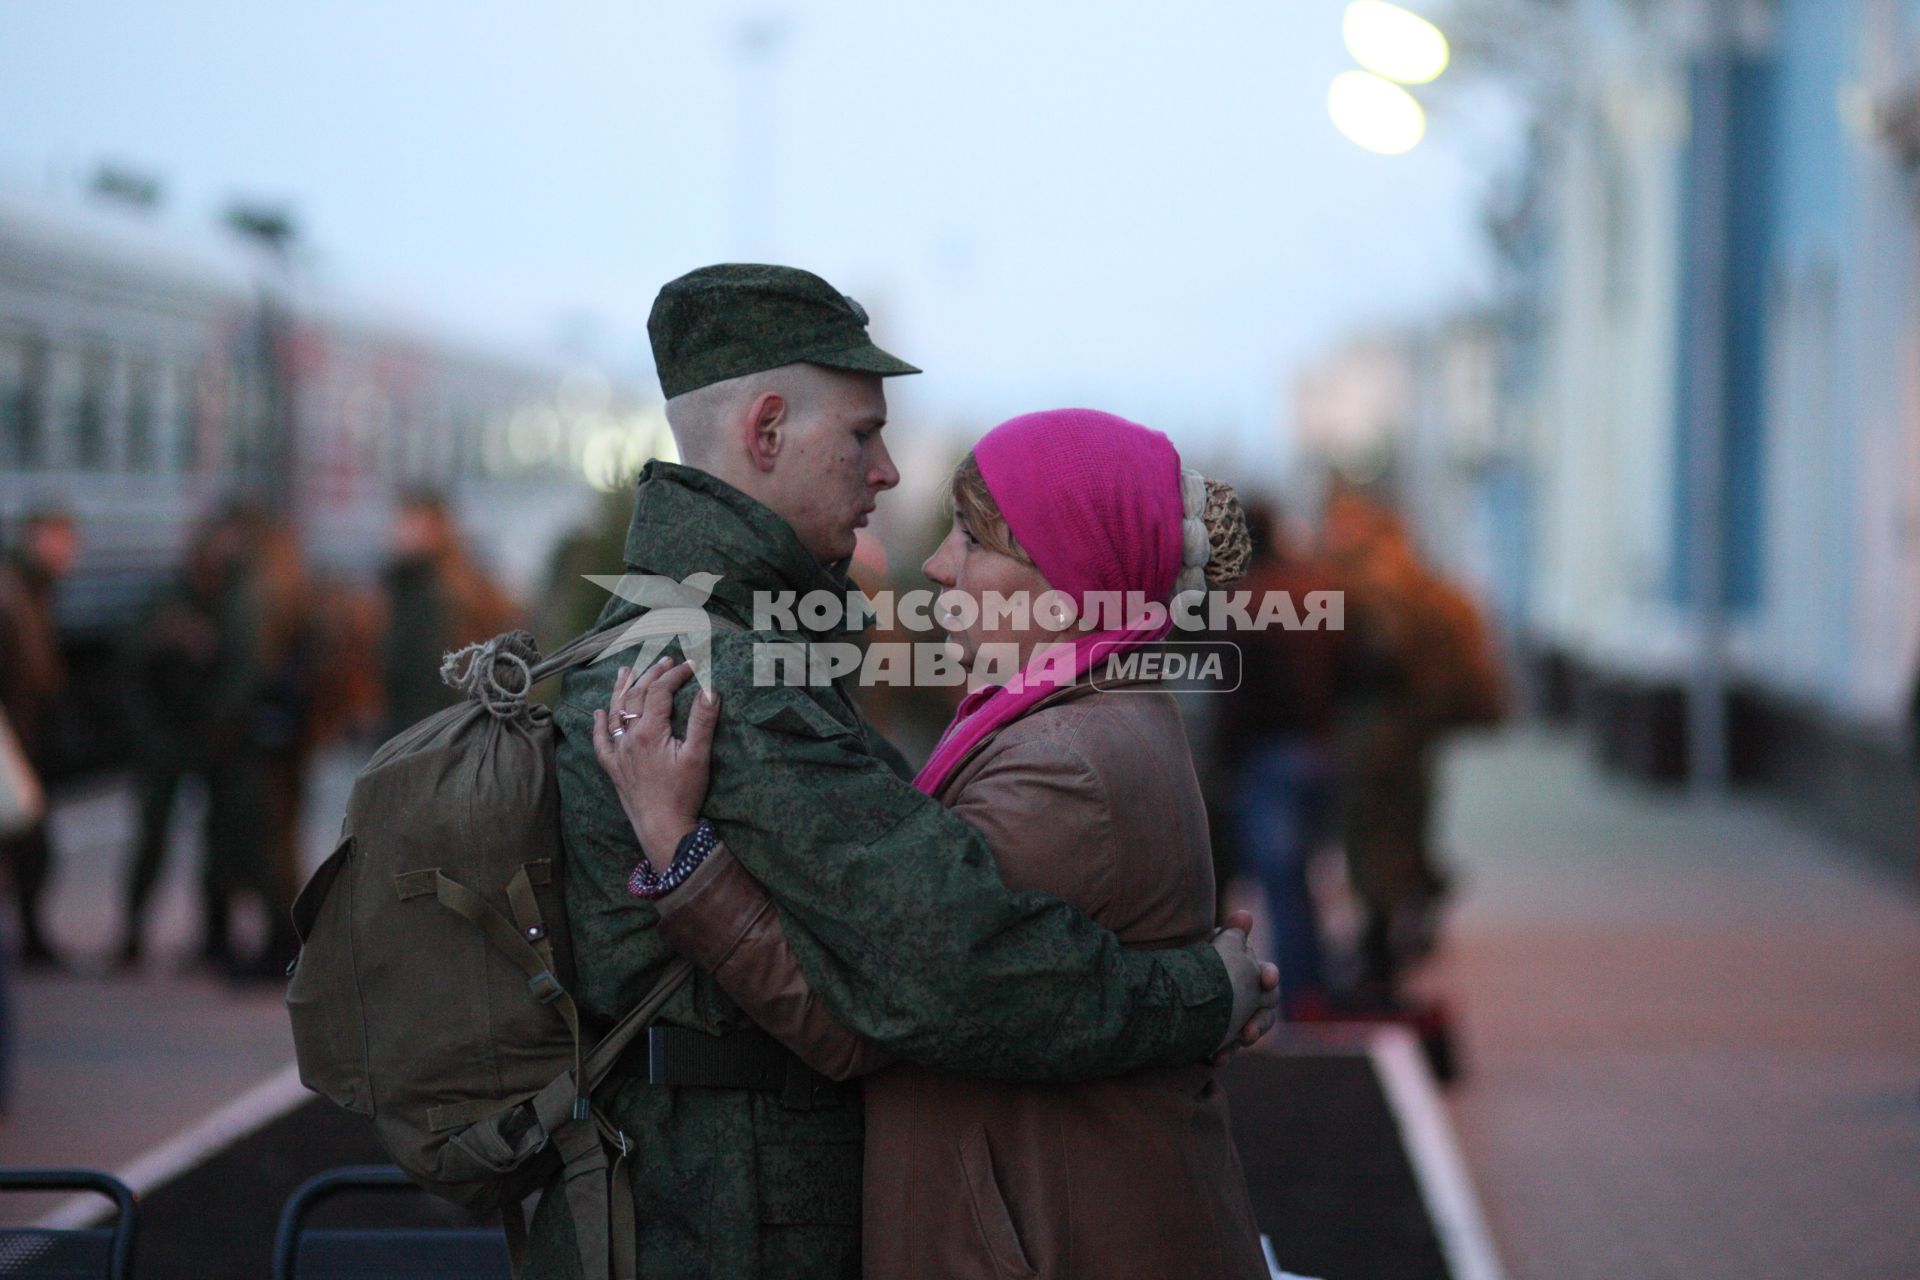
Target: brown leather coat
1090,797
32,672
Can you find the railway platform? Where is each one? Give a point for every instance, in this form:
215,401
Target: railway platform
1691,1033
111,1066
1690,1036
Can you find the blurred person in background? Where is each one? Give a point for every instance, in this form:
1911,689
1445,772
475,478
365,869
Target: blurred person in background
282,727
346,702
1422,666
1913,721
192,678
438,599
32,675
1275,741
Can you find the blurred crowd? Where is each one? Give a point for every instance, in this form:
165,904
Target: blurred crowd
246,663
235,673
1327,750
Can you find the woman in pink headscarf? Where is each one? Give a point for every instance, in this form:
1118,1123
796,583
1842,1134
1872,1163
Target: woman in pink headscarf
1085,790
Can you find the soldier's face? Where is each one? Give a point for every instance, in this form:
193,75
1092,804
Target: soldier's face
834,465
970,572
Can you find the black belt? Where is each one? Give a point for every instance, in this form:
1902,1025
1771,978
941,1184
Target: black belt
748,1059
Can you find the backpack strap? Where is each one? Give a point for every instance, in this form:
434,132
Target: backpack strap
600,1192
513,1225
509,941
623,1233
610,1046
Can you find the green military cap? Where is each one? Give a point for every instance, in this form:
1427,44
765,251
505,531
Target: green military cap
737,318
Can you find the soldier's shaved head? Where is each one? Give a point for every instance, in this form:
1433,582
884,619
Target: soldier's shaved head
700,419
802,439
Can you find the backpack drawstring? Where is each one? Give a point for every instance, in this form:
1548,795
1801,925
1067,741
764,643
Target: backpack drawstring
476,672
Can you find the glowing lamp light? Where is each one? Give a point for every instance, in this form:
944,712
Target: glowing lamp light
613,451
1393,43
1376,114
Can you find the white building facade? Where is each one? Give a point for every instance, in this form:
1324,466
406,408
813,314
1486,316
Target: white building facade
1726,328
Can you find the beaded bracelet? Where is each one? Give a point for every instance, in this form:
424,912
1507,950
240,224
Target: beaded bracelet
692,850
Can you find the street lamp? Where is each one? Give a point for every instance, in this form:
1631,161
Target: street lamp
1394,43
1396,48
1375,113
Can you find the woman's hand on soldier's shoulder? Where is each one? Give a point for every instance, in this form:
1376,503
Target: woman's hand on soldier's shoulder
661,780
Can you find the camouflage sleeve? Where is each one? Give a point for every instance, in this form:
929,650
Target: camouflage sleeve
894,910
616,944
890,755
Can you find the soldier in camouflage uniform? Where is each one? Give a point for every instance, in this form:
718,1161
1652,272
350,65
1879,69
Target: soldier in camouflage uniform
892,905
192,677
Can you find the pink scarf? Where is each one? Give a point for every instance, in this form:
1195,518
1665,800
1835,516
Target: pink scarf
1095,500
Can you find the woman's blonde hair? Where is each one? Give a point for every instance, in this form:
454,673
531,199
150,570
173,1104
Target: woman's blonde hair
973,502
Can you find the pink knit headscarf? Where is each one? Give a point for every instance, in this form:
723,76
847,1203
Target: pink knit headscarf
1095,500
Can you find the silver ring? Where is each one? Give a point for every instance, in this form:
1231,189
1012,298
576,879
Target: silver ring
616,731
627,717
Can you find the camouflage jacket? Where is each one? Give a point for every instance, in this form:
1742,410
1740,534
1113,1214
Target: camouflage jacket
892,906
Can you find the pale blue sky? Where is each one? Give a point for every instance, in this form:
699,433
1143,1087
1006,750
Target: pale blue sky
1134,205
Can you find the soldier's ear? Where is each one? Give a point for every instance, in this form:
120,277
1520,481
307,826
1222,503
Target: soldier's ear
765,426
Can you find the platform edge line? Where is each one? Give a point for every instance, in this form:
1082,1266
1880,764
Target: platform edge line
263,1103
1437,1164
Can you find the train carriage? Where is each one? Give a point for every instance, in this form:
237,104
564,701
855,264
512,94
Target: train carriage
147,376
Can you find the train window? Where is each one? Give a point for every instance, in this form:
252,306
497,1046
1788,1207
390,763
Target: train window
409,434
142,414
183,419
62,409
23,371
212,409
89,409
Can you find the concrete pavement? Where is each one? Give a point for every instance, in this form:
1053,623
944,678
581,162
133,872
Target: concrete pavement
108,1066
1692,1034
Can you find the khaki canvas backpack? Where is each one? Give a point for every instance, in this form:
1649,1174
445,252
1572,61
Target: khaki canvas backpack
431,990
